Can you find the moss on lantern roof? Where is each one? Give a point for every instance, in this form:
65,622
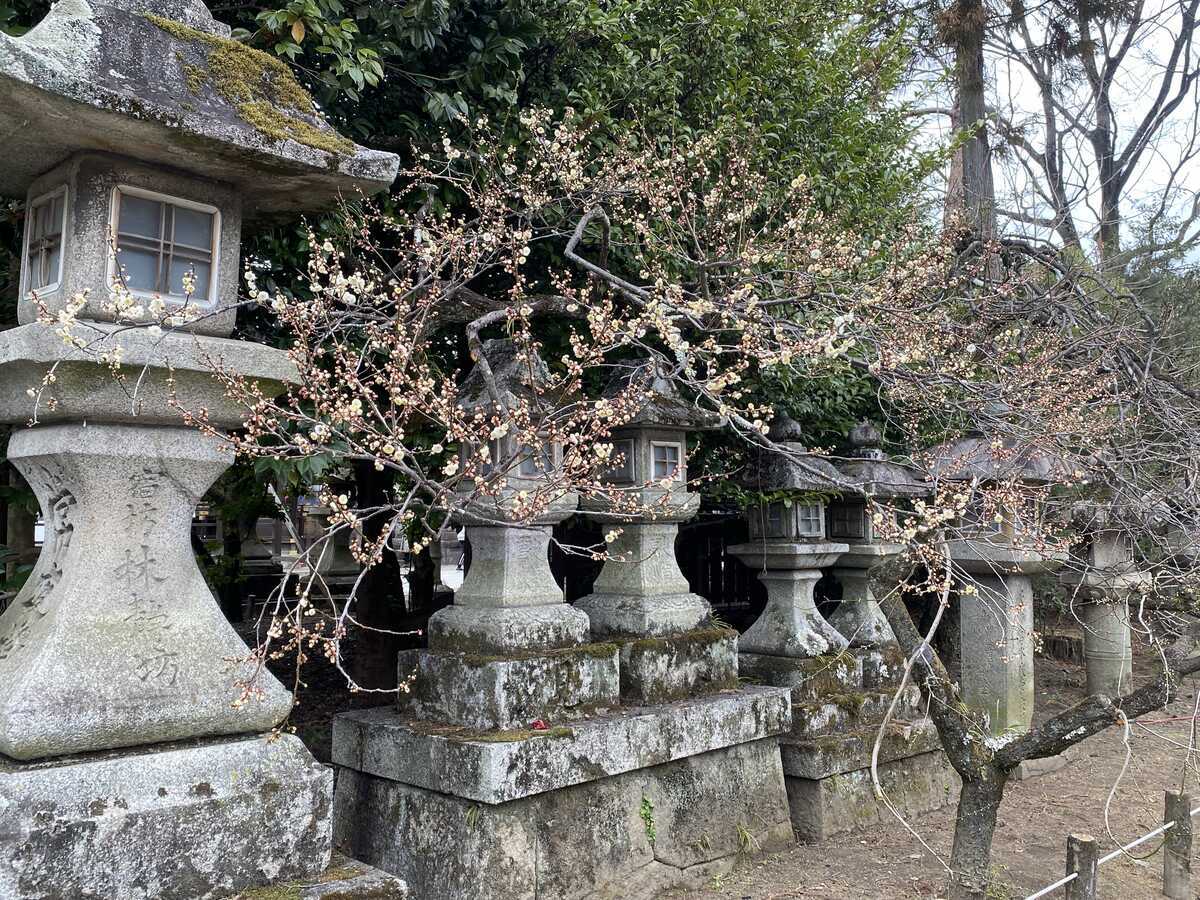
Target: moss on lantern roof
872,473
977,456
262,88
791,467
161,81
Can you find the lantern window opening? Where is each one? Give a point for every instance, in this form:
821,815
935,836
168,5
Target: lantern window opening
665,458
773,525
46,223
159,239
623,470
535,462
848,520
810,520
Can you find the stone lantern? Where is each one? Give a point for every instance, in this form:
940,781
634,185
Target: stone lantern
139,135
840,694
1101,575
858,617
993,556
788,546
514,766
509,600
641,593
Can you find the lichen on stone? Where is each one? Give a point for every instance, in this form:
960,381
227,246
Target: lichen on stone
262,88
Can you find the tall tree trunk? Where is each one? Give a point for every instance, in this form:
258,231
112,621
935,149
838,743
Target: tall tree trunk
380,600
970,859
971,194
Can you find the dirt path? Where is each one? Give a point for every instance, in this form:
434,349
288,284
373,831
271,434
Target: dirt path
1037,815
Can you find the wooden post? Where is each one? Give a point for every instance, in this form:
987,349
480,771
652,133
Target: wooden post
1083,852
1177,847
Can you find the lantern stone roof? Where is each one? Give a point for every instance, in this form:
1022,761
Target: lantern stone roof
792,468
872,473
973,456
162,81
658,399
518,380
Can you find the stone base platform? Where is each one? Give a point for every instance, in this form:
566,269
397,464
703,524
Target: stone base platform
846,801
838,702
664,669
170,822
345,879
488,692
625,805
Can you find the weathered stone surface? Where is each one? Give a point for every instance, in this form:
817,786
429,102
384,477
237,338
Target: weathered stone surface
809,679
345,879
845,802
662,669
790,625
98,74
631,835
183,822
640,591
882,667
858,617
509,600
85,390
1107,647
383,743
1033,768
517,629
491,693
997,651
116,640
834,754
838,713
90,180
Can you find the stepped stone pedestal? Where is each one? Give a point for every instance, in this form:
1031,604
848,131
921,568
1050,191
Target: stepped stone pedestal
527,763
839,694
135,764
641,601
838,703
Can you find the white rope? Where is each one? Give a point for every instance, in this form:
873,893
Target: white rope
1161,829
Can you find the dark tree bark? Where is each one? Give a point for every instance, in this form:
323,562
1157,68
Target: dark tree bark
379,605
974,828
971,194
420,581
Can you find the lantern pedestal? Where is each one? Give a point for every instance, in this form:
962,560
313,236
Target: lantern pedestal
131,756
838,703
642,602
179,820
858,617
1104,616
790,626
997,630
641,591
523,762
839,698
628,804
509,600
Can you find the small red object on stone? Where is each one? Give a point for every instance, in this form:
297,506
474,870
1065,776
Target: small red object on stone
539,725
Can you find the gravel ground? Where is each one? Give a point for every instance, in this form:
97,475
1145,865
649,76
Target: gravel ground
1035,818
